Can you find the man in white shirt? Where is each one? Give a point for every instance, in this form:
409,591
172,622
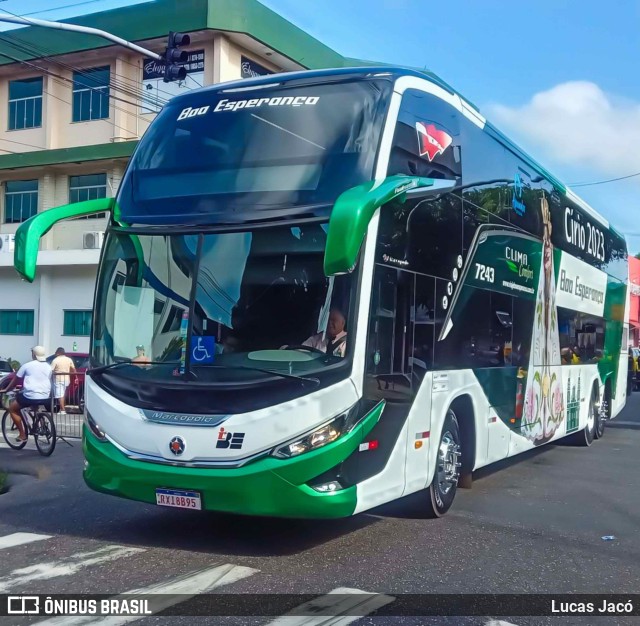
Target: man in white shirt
334,340
36,387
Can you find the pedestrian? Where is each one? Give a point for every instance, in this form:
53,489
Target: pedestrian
61,367
36,388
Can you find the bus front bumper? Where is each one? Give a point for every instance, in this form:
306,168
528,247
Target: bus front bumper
268,486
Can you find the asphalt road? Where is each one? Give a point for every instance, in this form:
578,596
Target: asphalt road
532,525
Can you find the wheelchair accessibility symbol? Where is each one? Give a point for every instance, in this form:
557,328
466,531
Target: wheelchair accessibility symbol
202,349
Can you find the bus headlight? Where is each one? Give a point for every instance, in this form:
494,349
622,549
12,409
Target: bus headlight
95,428
317,438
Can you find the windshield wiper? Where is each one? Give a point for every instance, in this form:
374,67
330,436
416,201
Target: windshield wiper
265,371
102,368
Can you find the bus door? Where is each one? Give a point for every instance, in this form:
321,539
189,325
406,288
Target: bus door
388,374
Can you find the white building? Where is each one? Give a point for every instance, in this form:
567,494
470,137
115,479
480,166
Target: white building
74,107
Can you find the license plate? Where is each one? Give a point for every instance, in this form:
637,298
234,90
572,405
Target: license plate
179,499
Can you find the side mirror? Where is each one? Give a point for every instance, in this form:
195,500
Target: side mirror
354,209
28,235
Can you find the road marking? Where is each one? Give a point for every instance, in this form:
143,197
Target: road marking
330,609
19,539
497,622
173,592
64,567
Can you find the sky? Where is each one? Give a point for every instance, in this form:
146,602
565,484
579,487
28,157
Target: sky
560,77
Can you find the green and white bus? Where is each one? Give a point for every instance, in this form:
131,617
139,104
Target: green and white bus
322,291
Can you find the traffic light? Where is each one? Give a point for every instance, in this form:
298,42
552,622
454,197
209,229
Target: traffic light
174,57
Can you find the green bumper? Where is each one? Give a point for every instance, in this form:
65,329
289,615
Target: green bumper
269,486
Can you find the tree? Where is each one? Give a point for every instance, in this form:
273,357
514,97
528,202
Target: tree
638,255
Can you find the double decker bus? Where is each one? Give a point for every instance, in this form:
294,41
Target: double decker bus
322,291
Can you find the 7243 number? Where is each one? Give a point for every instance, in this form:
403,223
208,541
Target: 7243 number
485,273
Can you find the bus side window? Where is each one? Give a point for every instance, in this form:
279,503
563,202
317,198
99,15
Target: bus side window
502,327
431,115
388,367
423,318
523,317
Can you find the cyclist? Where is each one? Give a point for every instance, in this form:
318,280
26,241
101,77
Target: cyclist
36,387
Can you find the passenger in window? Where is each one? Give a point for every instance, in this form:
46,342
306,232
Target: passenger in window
575,357
334,340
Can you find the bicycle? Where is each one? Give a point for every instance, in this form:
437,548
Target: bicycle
38,423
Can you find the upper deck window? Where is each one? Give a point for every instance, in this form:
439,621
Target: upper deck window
266,147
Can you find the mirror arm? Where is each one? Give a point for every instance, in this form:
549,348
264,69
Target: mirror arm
352,212
28,235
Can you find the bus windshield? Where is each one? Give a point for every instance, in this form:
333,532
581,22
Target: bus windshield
210,154
242,304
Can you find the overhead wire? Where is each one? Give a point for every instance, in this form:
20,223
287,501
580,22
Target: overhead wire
602,182
59,8
65,81
46,53
41,54
115,81
38,52
87,79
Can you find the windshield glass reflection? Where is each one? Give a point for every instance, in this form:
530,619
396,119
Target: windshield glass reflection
261,304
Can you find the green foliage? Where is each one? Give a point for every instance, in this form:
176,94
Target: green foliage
173,348
638,255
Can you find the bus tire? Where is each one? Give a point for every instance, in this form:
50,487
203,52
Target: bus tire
603,413
444,484
584,438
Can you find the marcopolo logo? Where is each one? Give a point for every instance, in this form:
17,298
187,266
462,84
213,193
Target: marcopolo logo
389,259
177,446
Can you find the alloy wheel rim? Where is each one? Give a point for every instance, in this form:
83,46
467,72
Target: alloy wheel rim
448,463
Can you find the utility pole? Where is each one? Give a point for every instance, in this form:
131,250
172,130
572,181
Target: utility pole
172,56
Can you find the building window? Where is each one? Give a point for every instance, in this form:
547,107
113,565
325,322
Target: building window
20,200
25,103
16,322
77,323
89,187
91,94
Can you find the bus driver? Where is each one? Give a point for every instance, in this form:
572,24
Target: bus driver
334,339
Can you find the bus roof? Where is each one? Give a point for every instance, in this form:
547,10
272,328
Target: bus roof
396,72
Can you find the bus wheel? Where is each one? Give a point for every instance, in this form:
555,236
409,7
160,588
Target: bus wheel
585,437
444,485
602,413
